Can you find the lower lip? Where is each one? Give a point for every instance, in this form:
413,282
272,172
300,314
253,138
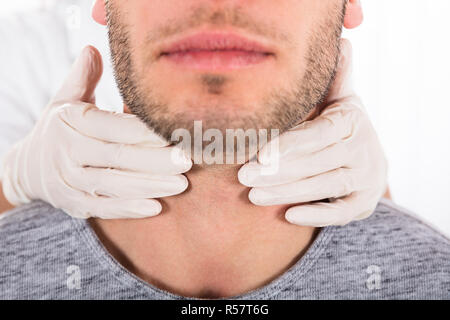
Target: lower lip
217,60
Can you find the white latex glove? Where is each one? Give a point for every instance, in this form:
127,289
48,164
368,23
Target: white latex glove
92,163
335,159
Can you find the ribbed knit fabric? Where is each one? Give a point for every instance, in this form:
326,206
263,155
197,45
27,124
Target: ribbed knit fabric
45,254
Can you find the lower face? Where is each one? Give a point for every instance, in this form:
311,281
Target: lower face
278,73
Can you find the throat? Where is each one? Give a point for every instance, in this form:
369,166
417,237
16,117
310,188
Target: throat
209,242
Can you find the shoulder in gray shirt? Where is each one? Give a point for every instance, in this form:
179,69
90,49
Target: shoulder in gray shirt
45,254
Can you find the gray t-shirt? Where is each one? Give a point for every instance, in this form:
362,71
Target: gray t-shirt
45,254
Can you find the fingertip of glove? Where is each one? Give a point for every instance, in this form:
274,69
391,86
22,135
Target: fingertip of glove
294,217
154,209
180,159
258,197
252,196
146,208
180,184
290,216
247,174
243,177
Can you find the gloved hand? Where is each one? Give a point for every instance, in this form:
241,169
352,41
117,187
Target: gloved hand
92,163
335,159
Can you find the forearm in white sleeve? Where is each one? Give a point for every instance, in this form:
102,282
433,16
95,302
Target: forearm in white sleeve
34,57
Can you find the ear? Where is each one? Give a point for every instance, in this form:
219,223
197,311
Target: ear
354,14
99,12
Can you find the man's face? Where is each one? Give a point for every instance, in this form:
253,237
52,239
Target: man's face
271,77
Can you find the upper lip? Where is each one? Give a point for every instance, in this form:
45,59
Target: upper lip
214,41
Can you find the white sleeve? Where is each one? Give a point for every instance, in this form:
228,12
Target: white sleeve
33,60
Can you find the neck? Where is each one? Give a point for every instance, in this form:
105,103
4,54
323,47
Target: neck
210,241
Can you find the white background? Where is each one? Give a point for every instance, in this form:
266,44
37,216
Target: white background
402,72
17,5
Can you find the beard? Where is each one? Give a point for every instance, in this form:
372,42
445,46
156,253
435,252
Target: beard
280,109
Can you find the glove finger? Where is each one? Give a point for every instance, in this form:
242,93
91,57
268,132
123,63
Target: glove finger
108,126
83,78
135,158
88,152
293,169
333,184
329,128
112,208
124,184
79,204
338,212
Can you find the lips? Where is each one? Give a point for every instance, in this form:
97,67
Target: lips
216,51
215,42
